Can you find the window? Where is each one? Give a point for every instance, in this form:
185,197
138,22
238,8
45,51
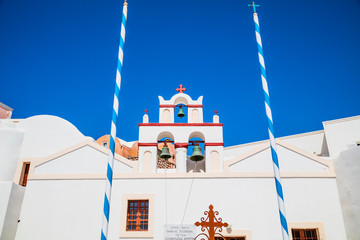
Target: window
230,238
137,215
305,234
24,174
104,144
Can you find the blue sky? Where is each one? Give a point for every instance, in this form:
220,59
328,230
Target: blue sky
59,58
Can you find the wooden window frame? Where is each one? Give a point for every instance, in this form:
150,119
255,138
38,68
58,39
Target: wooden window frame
123,216
319,226
24,174
304,232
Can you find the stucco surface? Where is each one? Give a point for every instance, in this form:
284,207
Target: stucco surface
11,139
72,209
83,160
45,135
347,167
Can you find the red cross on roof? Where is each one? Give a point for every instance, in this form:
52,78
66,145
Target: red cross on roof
216,112
146,111
181,89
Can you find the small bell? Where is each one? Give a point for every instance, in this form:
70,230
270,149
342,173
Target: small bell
181,112
165,153
197,154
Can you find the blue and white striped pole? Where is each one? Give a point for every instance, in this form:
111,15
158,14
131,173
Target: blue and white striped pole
276,167
109,174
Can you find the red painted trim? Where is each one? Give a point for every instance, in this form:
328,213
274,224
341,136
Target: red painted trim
180,124
195,105
166,106
214,144
181,145
172,106
147,144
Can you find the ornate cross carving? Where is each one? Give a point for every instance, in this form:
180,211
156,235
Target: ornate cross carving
212,224
181,89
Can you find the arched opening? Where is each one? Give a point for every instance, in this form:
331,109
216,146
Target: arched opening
180,108
196,138
181,100
166,139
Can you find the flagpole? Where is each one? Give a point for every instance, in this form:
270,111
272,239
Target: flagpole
276,167
109,174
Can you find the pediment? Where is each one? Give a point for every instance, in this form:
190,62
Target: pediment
85,158
291,160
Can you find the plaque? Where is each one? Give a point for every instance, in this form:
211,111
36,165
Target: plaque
180,232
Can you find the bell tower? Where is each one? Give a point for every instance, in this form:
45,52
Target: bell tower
167,108
181,136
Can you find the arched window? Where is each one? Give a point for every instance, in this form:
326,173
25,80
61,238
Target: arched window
196,138
161,162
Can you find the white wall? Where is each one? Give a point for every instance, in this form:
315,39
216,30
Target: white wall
84,160
10,223
5,191
347,168
11,139
342,133
73,209
149,134
45,135
62,209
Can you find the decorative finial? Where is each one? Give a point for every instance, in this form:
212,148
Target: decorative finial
254,6
125,3
146,111
216,112
181,89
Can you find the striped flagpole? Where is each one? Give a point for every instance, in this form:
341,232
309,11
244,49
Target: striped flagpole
109,175
276,167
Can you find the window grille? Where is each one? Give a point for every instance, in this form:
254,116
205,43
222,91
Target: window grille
305,234
137,215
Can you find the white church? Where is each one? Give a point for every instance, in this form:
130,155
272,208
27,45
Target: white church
52,180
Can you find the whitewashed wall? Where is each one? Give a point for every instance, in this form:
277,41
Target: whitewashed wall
71,209
342,134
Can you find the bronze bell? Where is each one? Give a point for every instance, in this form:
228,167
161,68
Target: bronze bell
181,112
165,153
197,154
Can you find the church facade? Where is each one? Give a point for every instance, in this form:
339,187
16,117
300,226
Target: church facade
53,180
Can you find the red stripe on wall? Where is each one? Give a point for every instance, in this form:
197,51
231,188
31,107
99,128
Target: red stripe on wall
181,124
147,144
214,144
189,105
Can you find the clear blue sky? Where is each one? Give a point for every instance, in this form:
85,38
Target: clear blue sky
59,58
